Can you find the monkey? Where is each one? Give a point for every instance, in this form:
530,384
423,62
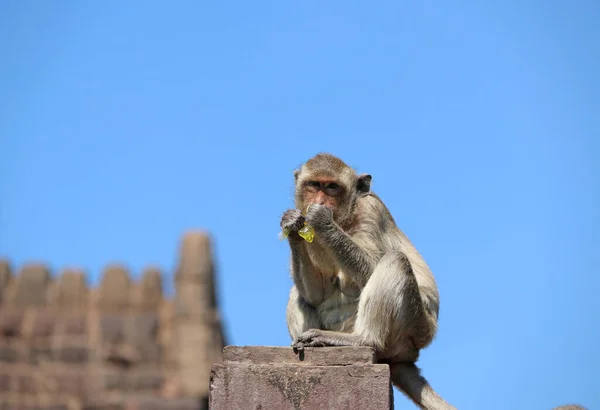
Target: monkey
361,282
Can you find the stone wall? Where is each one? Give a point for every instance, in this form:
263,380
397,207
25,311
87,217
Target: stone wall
122,345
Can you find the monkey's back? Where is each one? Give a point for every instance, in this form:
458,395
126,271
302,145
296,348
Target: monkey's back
391,238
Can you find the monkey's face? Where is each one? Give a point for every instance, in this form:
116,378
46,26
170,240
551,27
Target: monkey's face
324,190
327,180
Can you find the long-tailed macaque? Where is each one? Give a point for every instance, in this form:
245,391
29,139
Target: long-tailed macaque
360,282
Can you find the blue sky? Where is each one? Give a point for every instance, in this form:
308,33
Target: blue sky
124,124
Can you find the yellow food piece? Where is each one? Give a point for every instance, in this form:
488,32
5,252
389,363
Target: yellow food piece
308,232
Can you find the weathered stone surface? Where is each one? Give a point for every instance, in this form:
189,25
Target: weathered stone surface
100,381
195,259
5,277
120,356
9,354
43,325
10,322
112,328
4,383
143,337
149,353
192,356
73,382
54,406
103,404
319,356
194,278
144,328
25,384
194,300
32,285
146,381
72,291
157,403
116,380
74,355
115,289
38,354
150,290
75,325
287,386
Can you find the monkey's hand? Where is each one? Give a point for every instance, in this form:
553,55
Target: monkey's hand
319,217
293,221
310,338
320,338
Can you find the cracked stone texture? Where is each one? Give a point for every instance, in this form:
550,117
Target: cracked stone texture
319,356
260,377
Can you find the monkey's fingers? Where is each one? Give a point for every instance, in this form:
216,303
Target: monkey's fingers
298,346
310,338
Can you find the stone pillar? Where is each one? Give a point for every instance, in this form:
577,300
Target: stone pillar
196,324
260,377
5,277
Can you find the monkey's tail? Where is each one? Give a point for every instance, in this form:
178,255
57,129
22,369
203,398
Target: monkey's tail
407,377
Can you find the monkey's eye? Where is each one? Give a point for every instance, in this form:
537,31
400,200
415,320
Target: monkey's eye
333,189
314,184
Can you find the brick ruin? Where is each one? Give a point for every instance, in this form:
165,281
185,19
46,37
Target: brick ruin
122,345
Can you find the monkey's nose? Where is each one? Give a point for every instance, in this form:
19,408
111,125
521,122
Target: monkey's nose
320,199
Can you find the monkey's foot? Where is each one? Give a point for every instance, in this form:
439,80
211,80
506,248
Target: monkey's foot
321,338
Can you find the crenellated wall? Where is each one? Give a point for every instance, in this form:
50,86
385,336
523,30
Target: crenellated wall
121,345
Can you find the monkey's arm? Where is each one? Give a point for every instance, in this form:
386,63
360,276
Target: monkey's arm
307,279
355,261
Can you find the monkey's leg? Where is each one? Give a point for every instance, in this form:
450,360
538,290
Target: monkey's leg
390,309
391,315
300,316
392,318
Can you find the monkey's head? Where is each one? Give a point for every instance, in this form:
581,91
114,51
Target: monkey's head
327,180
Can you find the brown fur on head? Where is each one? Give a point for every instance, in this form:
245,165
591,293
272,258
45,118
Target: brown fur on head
325,179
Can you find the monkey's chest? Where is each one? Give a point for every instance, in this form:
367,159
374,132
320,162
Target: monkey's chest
338,310
332,275
346,285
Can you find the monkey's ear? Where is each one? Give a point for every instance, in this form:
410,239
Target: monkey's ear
296,173
363,184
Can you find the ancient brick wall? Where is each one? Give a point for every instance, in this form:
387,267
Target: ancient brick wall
122,345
